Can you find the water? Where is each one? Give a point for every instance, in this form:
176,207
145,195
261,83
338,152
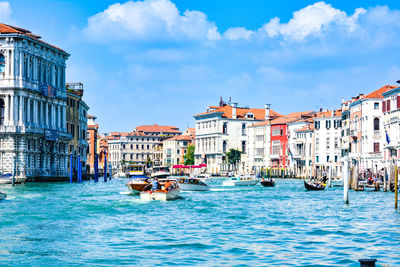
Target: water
58,224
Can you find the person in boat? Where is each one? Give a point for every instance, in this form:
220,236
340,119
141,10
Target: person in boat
156,185
324,177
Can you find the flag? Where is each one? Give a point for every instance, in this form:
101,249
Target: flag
290,153
387,138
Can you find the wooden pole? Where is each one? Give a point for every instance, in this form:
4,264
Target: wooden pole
396,190
346,181
330,176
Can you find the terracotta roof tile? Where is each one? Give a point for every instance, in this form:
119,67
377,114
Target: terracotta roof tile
181,138
308,127
378,93
259,114
155,128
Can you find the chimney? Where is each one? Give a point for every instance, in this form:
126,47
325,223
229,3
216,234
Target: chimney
234,106
267,111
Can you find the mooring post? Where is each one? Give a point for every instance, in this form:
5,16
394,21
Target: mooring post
105,167
96,168
78,179
14,170
330,176
70,168
396,189
346,181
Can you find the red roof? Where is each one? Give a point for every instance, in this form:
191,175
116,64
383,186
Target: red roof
308,127
8,29
328,113
181,138
155,128
378,93
259,114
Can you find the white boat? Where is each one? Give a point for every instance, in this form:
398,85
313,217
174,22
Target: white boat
241,181
192,184
160,172
168,190
2,196
6,178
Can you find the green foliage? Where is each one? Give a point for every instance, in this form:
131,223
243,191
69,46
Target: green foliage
149,162
233,156
189,156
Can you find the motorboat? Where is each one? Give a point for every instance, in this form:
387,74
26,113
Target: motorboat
6,178
314,186
241,181
2,196
139,183
192,184
160,172
267,182
168,190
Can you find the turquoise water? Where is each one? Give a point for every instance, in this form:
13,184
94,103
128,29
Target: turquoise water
58,224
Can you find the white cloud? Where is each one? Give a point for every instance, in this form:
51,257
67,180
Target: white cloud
237,33
150,20
5,11
312,21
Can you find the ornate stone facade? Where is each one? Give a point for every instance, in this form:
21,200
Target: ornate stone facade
33,134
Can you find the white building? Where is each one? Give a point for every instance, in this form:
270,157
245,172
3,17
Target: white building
221,128
175,148
259,147
327,151
33,137
391,123
303,152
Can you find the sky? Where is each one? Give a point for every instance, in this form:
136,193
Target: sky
163,61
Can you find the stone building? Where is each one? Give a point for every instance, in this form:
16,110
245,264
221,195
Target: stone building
93,140
33,134
175,148
77,124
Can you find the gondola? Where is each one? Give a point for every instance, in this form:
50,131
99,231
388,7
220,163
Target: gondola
267,183
2,196
313,187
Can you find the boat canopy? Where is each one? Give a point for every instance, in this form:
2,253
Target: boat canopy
188,166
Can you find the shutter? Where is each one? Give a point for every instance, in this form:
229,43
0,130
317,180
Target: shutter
398,101
388,105
384,106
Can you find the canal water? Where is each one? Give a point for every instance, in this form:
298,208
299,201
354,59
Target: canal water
89,224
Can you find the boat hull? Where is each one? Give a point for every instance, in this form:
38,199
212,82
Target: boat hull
311,187
267,183
240,183
2,196
136,188
159,195
193,187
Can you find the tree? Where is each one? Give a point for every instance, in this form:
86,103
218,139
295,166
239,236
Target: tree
148,162
189,156
233,156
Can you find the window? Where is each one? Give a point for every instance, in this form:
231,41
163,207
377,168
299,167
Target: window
376,147
328,143
376,105
328,124
1,111
2,66
243,129
243,146
336,158
177,151
327,158
224,146
276,147
376,124
225,128
276,131
317,158
388,105
336,142
316,143
398,101
317,125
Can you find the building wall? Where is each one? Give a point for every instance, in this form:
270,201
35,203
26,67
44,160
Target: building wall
33,136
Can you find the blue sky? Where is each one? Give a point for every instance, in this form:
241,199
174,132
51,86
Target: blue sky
162,61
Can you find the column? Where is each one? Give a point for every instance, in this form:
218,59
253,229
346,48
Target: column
46,110
6,110
11,110
20,109
28,111
64,118
12,63
21,63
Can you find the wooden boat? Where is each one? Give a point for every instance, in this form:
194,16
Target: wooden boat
267,183
192,184
241,181
2,196
139,184
313,186
163,194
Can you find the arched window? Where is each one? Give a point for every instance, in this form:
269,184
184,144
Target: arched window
225,128
224,146
1,111
376,124
243,129
2,66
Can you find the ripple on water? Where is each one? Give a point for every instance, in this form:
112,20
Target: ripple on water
101,224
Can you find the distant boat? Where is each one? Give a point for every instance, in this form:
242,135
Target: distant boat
2,196
6,178
160,172
241,181
267,183
192,184
314,186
